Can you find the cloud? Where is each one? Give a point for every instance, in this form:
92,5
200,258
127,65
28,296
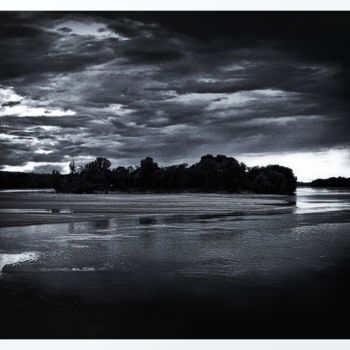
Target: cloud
43,151
28,111
128,85
15,105
72,28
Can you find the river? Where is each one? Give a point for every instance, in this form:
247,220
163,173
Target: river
189,266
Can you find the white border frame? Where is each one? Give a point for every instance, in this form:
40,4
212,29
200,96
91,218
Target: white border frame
178,5
175,344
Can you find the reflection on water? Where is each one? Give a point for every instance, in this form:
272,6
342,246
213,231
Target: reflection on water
99,225
147,220
262,238
36,211
28,190
312,200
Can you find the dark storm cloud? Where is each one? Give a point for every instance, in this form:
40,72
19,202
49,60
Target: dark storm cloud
170,85
150,55
10,103
34,49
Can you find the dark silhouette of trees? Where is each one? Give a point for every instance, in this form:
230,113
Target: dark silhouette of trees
273,179
121,178
56,180
174,177
147,176
332,182
98,166
210,174
72,167
26,180
217,173
94,176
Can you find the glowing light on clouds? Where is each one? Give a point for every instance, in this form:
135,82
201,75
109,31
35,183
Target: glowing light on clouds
15,105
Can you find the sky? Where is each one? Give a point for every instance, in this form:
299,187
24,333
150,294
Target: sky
262,87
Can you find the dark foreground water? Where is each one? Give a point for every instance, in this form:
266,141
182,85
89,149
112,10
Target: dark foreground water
262,267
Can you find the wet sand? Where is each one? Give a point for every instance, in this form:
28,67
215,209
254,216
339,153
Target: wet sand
59,208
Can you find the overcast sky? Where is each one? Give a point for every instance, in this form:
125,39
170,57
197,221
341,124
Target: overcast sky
261,87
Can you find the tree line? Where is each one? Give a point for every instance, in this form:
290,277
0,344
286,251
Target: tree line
332,182
20,180
210,174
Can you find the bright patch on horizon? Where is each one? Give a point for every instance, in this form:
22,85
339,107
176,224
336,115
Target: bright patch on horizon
307,166
30,166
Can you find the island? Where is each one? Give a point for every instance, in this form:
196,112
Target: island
211,174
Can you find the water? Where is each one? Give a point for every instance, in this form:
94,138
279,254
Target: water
322,200
28,190
37,211
261,237
250,244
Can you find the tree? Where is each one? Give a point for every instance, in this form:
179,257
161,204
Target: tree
121,177
102,164
218,173
99,165
72,167
55,172
147,173
57,180
274,179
